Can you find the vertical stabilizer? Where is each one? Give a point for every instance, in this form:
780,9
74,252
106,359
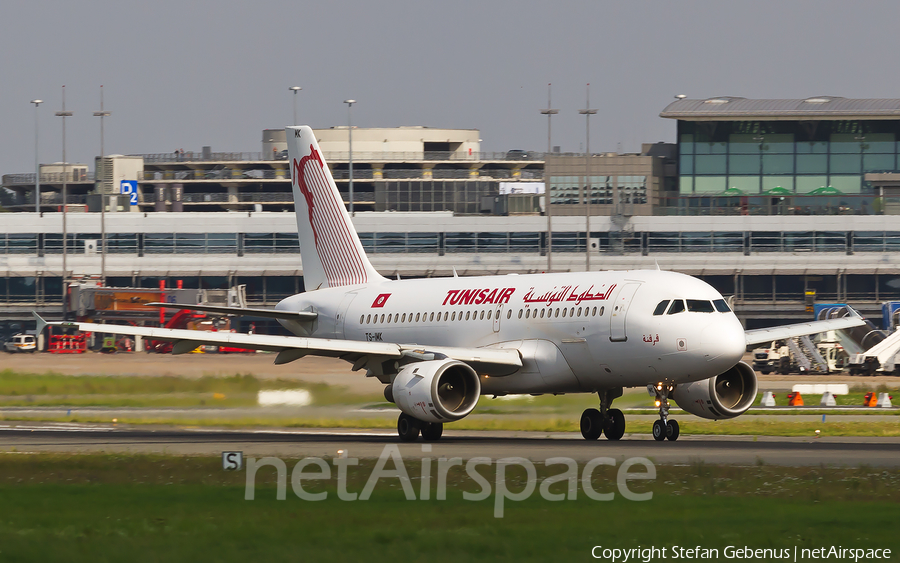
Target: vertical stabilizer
329,246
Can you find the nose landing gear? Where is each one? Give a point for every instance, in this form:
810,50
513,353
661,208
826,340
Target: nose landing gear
604,421
664,428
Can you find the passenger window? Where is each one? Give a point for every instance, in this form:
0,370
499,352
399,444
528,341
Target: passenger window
527,313
699,306
542,313
467,314
453,316
368,319
557,312
579,311
661,308
721,306
509,314
489,314
417,316
677,307
361,319
594,314
601,310
482,315
564,312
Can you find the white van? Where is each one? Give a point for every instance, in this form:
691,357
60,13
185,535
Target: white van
22,343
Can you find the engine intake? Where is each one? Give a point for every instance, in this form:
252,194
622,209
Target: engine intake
724,396
436,390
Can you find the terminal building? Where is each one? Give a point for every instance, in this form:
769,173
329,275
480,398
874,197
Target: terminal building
816,155
776,202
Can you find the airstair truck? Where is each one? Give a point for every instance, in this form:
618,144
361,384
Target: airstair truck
854,340
881,358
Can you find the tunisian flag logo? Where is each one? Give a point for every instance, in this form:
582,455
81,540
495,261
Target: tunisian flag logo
380,300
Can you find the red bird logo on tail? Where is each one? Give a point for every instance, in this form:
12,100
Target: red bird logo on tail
300,178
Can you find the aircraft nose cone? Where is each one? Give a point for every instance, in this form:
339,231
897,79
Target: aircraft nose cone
723,341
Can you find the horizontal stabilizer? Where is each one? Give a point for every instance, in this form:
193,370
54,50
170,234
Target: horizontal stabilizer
299,316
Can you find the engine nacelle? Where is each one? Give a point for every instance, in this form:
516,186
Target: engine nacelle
724,396
436,390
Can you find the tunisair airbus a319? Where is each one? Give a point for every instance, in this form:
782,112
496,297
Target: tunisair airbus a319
439,344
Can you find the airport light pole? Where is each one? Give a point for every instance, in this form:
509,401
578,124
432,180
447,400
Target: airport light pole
549,113
102,114
64,114
587,113
350,146
295,89
761,139
37,162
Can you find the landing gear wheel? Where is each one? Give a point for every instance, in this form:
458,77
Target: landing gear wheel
672,430
591,424
431,431
407,428
615,425
659,430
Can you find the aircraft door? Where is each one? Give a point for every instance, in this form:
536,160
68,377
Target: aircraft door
619,310
497,312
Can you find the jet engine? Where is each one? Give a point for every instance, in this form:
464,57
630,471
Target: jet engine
724,396
435,390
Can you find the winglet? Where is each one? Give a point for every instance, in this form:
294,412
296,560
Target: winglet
455,275
41,323
657,264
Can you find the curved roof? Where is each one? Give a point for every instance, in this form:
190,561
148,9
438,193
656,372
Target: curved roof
728,108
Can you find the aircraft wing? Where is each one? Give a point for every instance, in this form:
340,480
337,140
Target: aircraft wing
299,316
760,335
291,348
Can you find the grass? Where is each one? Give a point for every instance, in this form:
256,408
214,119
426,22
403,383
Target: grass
153,508
53,389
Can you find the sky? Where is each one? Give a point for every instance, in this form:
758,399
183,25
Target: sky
191,73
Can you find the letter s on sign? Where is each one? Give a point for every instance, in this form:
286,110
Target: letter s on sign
232,461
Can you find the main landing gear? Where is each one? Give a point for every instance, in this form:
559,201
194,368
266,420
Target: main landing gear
664,428
604,421
408,428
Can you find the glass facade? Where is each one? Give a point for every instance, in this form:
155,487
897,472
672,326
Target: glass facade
525,242
797,156
569,189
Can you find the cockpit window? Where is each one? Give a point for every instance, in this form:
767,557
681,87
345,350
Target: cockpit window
677,307
661,308
721,306
699,306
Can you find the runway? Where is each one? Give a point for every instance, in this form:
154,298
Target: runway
289,443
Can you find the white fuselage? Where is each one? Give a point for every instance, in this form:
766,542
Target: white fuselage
580,332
